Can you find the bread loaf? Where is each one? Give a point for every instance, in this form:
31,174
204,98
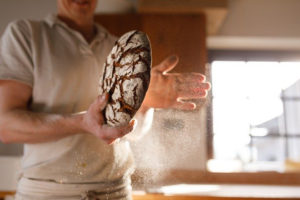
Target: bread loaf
126,77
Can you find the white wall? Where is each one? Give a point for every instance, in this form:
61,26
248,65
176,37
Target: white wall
259,24
17,9
275,18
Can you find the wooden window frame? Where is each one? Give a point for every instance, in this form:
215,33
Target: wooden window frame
267,177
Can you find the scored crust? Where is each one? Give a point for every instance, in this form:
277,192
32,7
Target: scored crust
126,77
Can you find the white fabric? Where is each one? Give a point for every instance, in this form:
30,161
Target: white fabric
63,71
143,125
42,190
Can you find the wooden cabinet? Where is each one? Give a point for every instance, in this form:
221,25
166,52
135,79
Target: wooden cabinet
180,34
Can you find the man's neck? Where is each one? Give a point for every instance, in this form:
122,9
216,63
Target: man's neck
86,28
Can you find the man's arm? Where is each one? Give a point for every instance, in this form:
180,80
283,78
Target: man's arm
19,125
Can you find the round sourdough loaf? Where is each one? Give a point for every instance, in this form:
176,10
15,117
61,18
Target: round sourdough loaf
126,77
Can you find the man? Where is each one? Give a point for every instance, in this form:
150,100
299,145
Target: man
49,72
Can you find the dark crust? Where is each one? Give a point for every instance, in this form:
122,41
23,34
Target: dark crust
116,80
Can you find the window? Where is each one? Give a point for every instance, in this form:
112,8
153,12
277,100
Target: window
238,145
255,116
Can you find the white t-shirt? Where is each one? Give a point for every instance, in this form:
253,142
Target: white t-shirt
63,71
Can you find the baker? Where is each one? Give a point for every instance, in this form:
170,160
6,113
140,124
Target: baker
49,73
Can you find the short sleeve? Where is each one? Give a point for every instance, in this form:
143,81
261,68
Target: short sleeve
16,53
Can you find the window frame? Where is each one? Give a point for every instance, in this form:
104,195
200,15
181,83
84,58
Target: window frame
265,177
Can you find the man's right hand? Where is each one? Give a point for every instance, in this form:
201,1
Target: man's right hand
20,125
93,122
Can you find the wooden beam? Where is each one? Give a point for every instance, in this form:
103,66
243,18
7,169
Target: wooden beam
176,176
187,6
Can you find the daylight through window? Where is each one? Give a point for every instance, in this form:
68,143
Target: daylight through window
256,115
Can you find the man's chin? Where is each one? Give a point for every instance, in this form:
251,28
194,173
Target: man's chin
81,2
82,12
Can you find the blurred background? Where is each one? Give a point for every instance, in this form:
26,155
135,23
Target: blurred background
248,131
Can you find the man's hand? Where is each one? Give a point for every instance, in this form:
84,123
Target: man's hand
93,122
167,90
20,125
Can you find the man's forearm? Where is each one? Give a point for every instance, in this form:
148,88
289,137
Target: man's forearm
22,126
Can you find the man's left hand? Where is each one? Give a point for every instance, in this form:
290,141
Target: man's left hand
174,90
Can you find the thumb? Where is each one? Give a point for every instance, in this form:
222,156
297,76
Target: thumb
101,102
167,64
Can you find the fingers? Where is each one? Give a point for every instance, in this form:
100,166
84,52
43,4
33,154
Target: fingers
187,78
167,65
109,134
187,86
101,102
111,141
193,89
184,105
192,94
192,86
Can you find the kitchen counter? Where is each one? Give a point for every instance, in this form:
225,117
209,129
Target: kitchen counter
191,197
220,192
